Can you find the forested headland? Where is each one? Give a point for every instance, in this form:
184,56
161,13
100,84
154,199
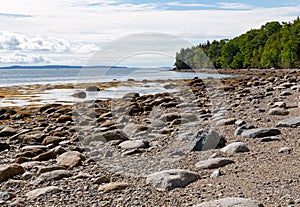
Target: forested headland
274,45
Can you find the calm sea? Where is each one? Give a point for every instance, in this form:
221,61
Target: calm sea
11,77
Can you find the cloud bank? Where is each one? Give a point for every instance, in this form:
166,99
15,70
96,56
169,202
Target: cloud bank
70,31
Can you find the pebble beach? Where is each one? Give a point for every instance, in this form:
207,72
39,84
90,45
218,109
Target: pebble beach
209,142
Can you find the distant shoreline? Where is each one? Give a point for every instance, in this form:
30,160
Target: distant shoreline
57,67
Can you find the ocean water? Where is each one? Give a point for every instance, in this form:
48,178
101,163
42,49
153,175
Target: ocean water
12,77
29,76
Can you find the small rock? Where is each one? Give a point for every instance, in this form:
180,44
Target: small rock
130,96
42,191
113,186
134,144
236,147
260,133
70,159
285,93
131,129
170,117
54,175
114,135
270,139
291,122
52,140
223,122
213,163
44,169
239,130
4,146
8,171
231,202
285,150
79,94
278,111
82,175
239,123
100,180
170,179
7,132
27,175
45,156
132,152
280,105
64,118
216,173
7,196
92,88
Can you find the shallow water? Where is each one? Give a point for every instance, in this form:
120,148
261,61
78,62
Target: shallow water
22,77
13,77
64,96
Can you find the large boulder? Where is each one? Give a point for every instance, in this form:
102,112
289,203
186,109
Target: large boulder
170,179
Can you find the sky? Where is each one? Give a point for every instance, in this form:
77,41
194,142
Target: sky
74,32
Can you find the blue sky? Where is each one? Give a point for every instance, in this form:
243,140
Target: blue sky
38,32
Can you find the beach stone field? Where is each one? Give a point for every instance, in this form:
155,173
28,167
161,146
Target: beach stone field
212,142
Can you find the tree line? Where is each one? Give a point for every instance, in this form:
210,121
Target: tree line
274,45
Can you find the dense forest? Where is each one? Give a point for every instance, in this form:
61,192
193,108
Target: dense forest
274,45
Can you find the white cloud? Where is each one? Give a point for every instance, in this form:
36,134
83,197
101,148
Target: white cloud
16,41
22,58
229,5
188,5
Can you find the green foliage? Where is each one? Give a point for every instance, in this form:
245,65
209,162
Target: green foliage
274,45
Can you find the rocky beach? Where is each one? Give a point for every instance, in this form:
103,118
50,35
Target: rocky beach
212,142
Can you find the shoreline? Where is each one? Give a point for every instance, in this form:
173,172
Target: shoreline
94,152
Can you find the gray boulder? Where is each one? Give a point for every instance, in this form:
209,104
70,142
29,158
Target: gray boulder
240,129
235,147
206,140
213,163
92,88
291,122
134,144
260,132
170,179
